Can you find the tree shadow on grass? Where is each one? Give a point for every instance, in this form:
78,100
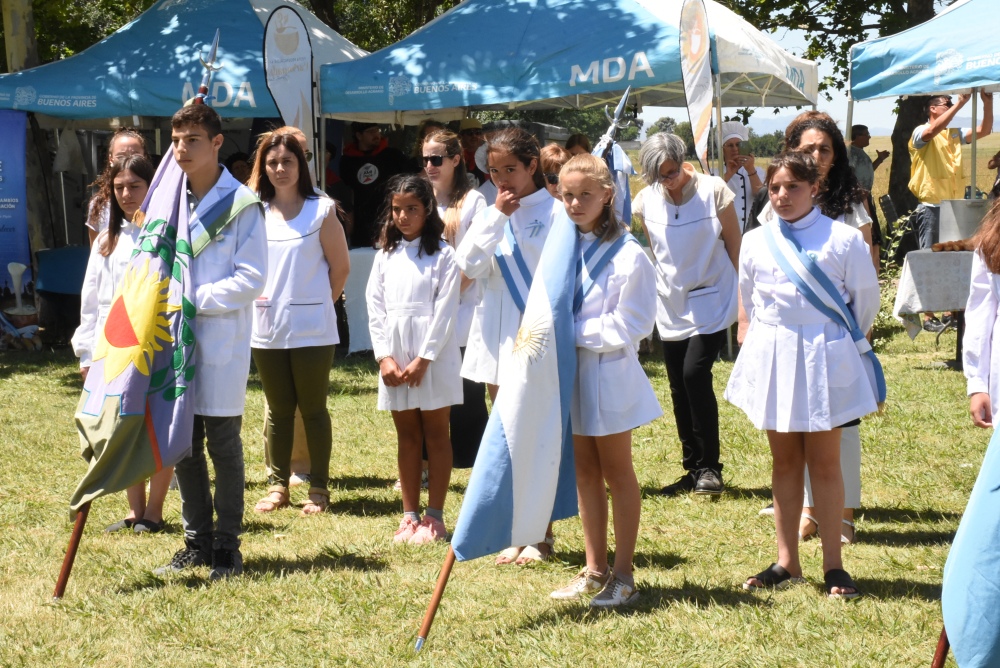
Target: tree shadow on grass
360,482
651,599
899,589
762,493
905,538
662,560
365,506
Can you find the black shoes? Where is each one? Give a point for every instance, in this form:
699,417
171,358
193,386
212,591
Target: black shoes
684,484
225,564
187,557
709,482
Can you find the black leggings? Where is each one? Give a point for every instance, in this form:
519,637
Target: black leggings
696,411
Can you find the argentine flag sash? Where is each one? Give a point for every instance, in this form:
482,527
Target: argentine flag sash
513,268
817,288
592,262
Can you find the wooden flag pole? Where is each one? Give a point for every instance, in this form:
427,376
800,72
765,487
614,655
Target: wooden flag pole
941,653
432,607
74,543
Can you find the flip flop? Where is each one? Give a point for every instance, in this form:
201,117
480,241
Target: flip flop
837,577
508,556
772,577
531,552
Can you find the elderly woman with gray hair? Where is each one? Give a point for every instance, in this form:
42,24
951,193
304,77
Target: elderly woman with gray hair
692,227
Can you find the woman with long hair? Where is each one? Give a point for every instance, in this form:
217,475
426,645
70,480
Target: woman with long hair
294,328
457,204
123,188
124,142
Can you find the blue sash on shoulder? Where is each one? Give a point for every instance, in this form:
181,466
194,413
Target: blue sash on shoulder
817,288
513,268
592,262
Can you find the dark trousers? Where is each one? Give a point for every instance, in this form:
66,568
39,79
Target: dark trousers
696,411
468,422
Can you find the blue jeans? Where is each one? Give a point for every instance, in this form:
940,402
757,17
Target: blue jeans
226,450
928,219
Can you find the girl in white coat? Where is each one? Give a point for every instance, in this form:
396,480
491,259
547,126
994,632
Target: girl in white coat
799,374
615,313
124,188
412,300
981,351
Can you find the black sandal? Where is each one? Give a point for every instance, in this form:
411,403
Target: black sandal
120,525
147,526
837,577
772,577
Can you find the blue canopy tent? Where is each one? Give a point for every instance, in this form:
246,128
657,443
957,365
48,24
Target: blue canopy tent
151,66
553,54
954,52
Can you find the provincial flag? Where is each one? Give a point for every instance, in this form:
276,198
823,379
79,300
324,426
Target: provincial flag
523,477
970,594
134,416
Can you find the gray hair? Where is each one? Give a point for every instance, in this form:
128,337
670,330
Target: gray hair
656,150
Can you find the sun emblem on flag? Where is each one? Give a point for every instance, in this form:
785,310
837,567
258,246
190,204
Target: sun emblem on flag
136,323
532,341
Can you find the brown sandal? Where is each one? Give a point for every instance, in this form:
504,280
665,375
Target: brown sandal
277,498
319,501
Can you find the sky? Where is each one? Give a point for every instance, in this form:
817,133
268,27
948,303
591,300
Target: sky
877,114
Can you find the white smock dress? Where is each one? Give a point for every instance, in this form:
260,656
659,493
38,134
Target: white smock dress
104,274
612,393
296,309
496,319
798,371
473,203
412,306
982,334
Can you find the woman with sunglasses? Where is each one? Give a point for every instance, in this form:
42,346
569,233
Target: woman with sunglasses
553,158
692,228
458,203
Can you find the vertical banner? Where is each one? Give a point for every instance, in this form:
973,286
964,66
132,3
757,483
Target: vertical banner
696,71
288,65
13,195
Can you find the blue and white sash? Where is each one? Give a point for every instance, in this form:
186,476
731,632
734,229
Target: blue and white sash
513,268
817,288
591,263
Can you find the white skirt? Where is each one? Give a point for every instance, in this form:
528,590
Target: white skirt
442,383
792,378
612,393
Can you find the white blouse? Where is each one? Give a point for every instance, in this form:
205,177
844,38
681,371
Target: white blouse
473,203
982,334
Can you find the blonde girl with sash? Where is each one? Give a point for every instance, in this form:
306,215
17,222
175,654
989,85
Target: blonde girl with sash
800,374
458,204
615,308
502,249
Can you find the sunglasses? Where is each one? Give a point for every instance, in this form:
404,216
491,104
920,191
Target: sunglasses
669,176
435,160
944,104
553,179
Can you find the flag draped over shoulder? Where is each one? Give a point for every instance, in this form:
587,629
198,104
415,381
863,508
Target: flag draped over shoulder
970,596
524,477
135,415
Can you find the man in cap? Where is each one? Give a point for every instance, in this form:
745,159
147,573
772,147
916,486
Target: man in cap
864,170
742,176
366,166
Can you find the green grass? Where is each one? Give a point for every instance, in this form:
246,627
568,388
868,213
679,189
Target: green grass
333,590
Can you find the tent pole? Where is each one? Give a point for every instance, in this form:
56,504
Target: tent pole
722,170
322,145
850,119
62,188
975,126
157,134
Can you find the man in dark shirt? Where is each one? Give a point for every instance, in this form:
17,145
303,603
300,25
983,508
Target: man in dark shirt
366,166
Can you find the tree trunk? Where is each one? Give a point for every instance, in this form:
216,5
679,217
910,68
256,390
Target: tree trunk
911,114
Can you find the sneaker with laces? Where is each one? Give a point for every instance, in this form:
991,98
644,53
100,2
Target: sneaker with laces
407,527
683,485
225,564
431,529
616,592
709,482
187,557
585,582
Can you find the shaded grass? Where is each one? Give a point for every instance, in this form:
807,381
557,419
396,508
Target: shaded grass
333,590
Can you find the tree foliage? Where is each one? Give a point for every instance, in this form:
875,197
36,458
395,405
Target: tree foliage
375,24
662,124
591,122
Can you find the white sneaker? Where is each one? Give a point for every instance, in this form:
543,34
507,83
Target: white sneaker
585,582
615,593
297,479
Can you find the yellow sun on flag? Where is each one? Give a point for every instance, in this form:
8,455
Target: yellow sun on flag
136,321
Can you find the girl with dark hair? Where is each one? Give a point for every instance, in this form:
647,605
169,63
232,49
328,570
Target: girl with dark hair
841,198
800,375
516,225
124,142
981,352
294,326
412,300
612,395
124,187
458,204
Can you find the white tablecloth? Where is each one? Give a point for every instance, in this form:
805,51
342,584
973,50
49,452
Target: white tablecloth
931,283
362,260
